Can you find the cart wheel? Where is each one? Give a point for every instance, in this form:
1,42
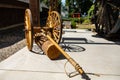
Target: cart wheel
54,22
28,29
105,17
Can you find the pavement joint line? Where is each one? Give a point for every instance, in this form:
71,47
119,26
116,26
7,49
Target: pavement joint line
95,74
13,70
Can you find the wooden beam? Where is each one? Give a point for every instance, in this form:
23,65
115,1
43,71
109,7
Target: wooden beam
13,4
34,7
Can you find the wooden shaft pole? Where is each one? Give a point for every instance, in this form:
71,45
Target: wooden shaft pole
72,61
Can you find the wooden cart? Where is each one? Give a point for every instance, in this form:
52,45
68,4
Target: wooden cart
48,36
33,28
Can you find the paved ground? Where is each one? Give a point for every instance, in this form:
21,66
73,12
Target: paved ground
94,54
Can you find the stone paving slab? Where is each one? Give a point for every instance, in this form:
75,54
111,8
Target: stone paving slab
95,55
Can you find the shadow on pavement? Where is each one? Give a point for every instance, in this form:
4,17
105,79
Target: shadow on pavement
69,40
114,39
72,48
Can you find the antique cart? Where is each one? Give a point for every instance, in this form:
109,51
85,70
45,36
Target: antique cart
48,36
52,27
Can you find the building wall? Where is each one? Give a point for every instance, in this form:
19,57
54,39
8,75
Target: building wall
9,16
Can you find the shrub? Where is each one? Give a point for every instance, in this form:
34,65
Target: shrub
86,21
73,24
82,19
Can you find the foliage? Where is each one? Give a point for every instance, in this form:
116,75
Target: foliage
90,11
81,20
47,2
73,24
86,21
79,6
74,19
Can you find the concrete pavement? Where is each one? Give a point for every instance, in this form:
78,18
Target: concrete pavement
94,55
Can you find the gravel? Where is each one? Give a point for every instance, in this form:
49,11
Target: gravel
11,41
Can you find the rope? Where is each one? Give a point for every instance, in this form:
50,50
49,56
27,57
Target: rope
69,74
75,73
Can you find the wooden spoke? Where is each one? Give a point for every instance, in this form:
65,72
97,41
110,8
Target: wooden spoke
28,29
